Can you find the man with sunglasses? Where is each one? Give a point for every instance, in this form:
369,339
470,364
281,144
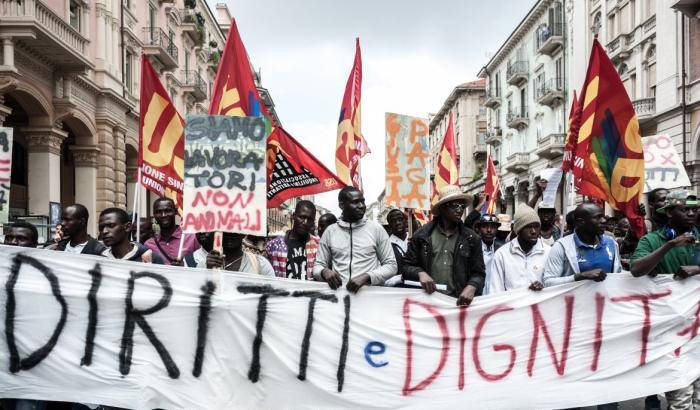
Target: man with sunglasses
446,252
487,227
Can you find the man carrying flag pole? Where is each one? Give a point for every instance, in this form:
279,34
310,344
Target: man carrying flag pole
350,144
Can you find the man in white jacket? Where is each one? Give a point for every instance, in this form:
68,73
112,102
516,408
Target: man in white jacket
357,249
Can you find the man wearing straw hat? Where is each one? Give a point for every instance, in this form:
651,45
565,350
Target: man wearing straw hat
446,252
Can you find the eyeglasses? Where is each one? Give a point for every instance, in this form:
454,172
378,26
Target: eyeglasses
489,219
457,206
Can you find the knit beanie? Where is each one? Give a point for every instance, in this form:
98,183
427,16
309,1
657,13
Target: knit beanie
524,216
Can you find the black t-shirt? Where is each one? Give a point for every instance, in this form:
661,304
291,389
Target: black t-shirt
296,259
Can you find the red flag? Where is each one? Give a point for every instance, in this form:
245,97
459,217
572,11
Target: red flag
446,171
350,144
572,135
492,190
161,139
295,171
234,92
609,159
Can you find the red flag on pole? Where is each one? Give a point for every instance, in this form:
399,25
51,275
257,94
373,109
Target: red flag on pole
572,135
350,144
609,158
492,188
161,139
446,170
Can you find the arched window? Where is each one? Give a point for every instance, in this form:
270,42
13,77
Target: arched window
622,70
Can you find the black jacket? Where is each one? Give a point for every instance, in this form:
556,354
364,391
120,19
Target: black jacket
92,247
468,258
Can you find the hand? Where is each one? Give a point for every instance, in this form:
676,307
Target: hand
465,299
177,262
594,274
357,282
685,239
332,278
536,286
684,272
540,185
426,282
215,260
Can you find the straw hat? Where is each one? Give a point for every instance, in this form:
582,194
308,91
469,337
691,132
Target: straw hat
506,221
446,194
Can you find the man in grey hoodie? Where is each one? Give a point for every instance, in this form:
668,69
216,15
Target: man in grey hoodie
357,249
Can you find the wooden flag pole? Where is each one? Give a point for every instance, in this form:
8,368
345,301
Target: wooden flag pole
410,223
136,218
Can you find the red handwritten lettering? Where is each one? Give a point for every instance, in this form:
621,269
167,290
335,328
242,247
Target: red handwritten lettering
497,347
692,330
598,338
440,319
539,323
646,326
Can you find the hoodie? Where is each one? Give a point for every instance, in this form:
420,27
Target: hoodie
354,248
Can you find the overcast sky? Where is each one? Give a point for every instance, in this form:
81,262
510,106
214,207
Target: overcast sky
413,54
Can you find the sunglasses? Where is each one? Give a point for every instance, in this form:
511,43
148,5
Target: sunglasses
457,206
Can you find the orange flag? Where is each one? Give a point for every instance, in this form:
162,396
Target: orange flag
609,159
492,190
161,139
446,171
350,144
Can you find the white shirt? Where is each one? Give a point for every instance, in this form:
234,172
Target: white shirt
200,257
511,268
402,243
488,257
75,249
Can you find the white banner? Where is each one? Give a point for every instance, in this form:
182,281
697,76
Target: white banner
5,172
92,330
663,167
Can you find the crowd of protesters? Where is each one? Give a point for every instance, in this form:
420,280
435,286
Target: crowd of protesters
462,256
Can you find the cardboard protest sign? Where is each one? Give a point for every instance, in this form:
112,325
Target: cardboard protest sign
225,174
5,172
663,167
93,330
407,157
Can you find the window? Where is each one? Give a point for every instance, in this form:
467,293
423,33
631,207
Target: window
611,28
498,84
559,72
128,83
74,12
651,80
632,91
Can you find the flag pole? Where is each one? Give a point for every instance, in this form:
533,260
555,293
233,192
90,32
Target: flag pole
182,244
137,196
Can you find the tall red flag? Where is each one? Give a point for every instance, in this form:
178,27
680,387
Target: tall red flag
291,170
296,171
492,188
609,158
572,135
446,170
161,139
350,145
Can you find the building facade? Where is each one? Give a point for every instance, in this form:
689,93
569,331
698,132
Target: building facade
652,43
466,104
527,98
69,87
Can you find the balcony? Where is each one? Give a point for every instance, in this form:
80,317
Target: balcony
517,163
650,24
194,85
479,149
550,146
619,48
493,136
645,109
550,92
517,118
492,100
550,38
516,72
156,43
189,24
36,26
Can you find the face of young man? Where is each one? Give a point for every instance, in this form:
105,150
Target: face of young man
453,210
231,241
324,223
683,216
529,234
593,222
398,223
22,237
164,212
354,206
112,230
488,232
303,221
71,222
546,216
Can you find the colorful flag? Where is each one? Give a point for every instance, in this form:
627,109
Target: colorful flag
492,188
609,157
295,171
446,171
421,217
161,139
350,145
572,135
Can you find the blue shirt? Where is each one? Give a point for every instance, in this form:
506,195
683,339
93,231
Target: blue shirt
599,256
